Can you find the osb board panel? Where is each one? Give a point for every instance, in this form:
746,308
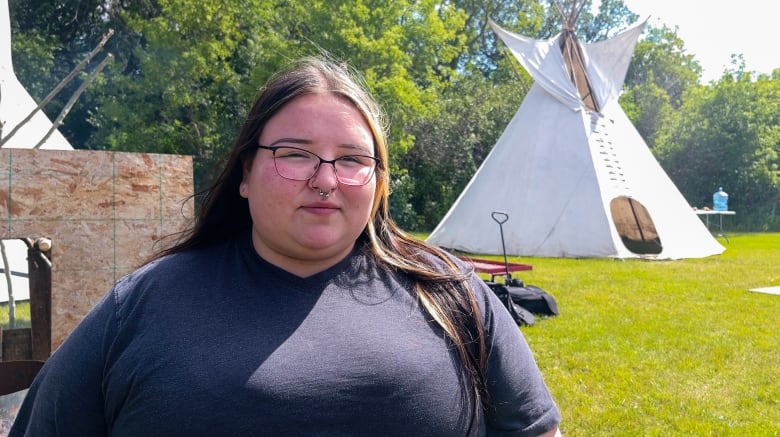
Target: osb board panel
64,196
5,182
135,239
73,294
106,212
73,241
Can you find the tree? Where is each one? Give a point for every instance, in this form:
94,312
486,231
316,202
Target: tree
484,52
450,146
647,106
184,88
610,18
728,135
661,59
659,74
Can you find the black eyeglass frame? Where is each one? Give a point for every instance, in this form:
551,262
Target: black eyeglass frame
332,162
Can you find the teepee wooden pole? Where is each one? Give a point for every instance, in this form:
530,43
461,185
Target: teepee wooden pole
59,86
72,101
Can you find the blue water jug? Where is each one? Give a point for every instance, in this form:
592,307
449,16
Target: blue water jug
720,200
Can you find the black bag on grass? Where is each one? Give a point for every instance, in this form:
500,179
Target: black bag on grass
534,299
530,298
521,315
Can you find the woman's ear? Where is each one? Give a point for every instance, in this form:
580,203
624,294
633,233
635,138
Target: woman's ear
243,187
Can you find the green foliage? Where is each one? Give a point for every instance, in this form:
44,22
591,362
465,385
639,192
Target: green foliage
660,59
656,348
484,51
183,83
36,49
451,144
726,135
647,106
401,191
405,50
611,16
49,39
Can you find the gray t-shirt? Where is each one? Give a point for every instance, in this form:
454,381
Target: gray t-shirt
219,342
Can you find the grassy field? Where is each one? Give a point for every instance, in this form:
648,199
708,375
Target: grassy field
22,314
659,348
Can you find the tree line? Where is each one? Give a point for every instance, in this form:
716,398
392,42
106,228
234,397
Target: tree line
185,73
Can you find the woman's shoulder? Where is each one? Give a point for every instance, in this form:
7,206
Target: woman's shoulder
158,267
155,273
175,270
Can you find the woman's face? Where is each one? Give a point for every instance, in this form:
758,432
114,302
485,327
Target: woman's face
293,226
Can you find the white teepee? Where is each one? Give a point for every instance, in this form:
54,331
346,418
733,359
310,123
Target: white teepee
574,176
15,105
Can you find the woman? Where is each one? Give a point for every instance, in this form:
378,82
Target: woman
295,306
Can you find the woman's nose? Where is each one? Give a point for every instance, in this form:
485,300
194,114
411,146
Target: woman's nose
325,177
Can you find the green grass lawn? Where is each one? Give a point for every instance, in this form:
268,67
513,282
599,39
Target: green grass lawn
659,348
22,315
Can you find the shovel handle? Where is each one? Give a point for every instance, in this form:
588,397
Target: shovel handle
500,217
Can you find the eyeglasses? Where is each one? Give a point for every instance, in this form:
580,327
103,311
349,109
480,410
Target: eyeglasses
301,165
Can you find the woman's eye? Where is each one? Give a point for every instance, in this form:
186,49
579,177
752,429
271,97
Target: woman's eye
292,153
350,159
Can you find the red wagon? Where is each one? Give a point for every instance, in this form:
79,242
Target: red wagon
496,268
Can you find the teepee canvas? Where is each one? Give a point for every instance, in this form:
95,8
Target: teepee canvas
572,173
16,104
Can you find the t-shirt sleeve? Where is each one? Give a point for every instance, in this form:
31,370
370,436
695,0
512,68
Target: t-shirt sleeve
66,397
520,403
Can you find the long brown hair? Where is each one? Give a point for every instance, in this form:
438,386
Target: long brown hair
441,287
